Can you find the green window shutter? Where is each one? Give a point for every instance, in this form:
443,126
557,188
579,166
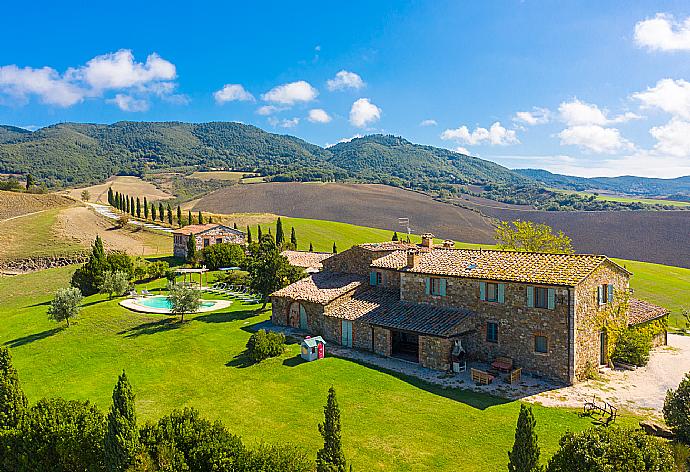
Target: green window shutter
552,298
482,291
372,278
501,293
442,287
610,294
530,296
427,285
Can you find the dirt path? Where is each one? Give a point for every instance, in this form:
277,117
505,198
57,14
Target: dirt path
82,224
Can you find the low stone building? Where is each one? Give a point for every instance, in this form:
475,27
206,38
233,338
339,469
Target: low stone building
205,235
545,311
311,262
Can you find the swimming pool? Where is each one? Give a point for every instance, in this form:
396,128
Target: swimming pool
162,304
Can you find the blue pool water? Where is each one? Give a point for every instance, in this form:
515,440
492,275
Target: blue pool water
164,302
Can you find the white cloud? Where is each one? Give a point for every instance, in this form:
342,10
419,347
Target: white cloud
428,123
284,123
129,103
673,138
363,113
663,33
538,116
291,93
345,140
116,71
594,138
671,96
345,79
46,83
268,110
317,115
577,112
495,135
463,150
232,92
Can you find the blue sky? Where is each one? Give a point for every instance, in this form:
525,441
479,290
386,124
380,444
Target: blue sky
584,88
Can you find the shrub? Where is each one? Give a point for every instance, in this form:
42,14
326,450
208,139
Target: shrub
220,255
264,344
235,277
677,410
122,220
632,347
278,458
609,449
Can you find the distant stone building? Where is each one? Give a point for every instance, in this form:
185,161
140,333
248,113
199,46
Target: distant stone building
414,301
311,262
205,235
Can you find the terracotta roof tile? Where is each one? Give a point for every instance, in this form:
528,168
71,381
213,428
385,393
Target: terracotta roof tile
640,311
383,308
529,267
306,259
387,246
322,287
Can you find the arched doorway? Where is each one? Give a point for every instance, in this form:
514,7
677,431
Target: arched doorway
297,317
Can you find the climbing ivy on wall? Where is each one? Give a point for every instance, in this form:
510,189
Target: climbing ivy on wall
613,319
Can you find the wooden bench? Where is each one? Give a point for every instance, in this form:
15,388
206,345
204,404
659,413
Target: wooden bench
480,377
503,364
514,376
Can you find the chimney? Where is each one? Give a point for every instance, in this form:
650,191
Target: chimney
412,258
428,240
449,244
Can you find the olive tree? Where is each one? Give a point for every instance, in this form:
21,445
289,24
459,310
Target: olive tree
183,300
115,283
65,304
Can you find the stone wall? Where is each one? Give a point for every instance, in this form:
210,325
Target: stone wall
382,341
33,264
180,240
434,352
280,310
355,260
518,324
588,314
390,279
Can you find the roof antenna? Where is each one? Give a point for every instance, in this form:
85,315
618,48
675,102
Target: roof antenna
405,223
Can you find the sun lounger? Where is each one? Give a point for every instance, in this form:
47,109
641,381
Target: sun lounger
133,294
146,293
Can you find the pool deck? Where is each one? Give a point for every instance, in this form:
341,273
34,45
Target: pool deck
131,304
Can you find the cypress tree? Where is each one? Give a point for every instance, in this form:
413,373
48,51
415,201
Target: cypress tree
161,212
97,250
138,208
258,233
121,442
234,225
191,248
311,247
146,209
201,218
395,236
116,200
210,219
127,205
331,457
132,210
189,217
249,235
335,249
293,238
13,402
170,217
179,216
525,454
280,237
111,198
121,206
153,212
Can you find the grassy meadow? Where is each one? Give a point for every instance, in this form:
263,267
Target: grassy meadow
390,422
34,235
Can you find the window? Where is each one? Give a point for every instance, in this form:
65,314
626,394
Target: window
206,242
219,240
541,297
605,294
435,286
491,292
541,344
492,332
379,278
375,278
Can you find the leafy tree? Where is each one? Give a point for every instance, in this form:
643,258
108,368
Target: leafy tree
13,402
293,238
121,442
191,248
179,216
280,236
335,248
153,212
611,449
85,195
270,270
531,237
311,247
146,209
183,299
249,235
65,304
395,236
677,410
264,344
525,454
161,212
331,458
114,283
220,255
138,208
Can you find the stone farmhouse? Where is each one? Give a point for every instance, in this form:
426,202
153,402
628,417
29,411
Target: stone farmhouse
414,301
311,262
205,235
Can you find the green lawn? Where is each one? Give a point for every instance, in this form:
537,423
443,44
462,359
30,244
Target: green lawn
389,422
612,198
